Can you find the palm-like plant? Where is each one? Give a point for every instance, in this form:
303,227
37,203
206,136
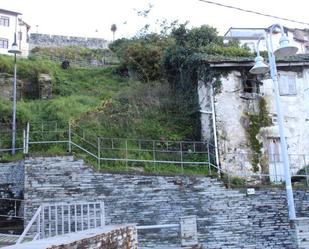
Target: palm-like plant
114,29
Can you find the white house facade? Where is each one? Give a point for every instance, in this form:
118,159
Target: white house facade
237,105
250,36
11,24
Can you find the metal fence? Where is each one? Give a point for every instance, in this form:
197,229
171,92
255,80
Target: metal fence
156,155
11,208
61,218
119,152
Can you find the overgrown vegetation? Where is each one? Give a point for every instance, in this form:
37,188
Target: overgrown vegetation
72,53
256,122
151,94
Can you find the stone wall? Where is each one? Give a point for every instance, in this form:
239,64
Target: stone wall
11,179
108,237
121,238
44,40
24,88
226,218
6,87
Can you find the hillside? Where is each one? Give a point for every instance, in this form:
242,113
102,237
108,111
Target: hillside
99,99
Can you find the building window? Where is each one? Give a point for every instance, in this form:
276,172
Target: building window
250,86
4,21
287,84
4,43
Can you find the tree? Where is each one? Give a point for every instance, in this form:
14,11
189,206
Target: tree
114,29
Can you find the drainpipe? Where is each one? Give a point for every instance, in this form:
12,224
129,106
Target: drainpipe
214,126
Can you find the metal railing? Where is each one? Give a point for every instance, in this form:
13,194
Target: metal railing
121,151
61,218
11,208
184,156
139,151
186,228
6,140
269,168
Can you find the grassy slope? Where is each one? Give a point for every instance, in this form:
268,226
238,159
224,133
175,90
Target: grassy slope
101,102
75,91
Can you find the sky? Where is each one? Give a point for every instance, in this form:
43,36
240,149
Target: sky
93,18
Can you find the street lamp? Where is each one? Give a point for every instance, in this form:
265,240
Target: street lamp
14,50
260,67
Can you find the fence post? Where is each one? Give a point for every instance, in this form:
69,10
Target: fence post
208,159
24,141
99,152
42,130
154,155
127,154
181,157
27,137
70,148
306,170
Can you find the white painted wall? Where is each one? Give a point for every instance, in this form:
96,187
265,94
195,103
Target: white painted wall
251,43
296,117
8,33
234,148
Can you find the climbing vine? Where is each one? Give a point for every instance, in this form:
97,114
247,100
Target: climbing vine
256,122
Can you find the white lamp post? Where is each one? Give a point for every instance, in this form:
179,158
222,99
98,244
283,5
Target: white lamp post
14,50
260,68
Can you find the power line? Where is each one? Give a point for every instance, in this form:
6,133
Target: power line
253,12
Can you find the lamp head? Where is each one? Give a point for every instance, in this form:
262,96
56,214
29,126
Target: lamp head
285,49
259,67
14,49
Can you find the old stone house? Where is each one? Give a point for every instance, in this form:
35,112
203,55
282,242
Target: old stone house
243,108
10,24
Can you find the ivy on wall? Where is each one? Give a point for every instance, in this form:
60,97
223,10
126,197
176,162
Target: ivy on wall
256,122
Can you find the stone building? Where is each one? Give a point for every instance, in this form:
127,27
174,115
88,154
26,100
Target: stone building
10,24
245,128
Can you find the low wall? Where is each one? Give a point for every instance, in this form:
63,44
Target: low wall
226,218
110,237
120,238
45,40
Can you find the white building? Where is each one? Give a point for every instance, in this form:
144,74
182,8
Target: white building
238,99
250,36
11,24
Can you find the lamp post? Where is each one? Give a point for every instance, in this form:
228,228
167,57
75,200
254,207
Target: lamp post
260,68
14,50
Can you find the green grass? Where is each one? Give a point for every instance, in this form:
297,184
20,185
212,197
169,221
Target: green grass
102,103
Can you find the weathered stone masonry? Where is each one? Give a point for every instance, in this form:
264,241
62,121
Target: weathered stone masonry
230,219
45,40
11,179
121,238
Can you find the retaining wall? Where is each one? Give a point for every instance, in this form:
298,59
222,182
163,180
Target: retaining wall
11,179
45,40
226,218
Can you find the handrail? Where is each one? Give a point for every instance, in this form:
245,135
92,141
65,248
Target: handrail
157,226
35,216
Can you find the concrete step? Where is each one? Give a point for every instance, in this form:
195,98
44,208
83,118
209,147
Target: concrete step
7,239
